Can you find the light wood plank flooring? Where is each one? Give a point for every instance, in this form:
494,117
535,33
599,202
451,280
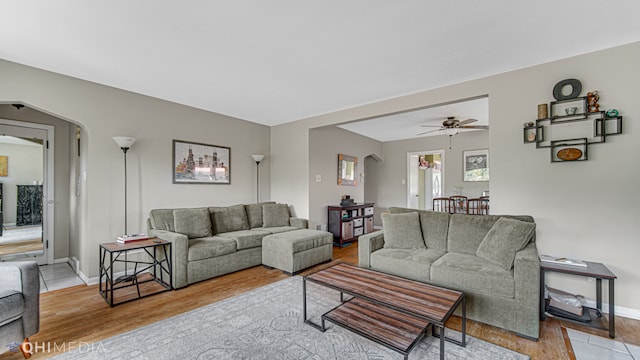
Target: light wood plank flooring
79,314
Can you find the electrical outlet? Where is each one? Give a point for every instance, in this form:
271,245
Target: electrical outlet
318,178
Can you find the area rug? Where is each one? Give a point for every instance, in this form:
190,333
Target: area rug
267,323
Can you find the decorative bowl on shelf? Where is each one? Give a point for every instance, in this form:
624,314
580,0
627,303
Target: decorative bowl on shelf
571,111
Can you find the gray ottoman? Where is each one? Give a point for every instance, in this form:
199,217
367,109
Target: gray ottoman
292,251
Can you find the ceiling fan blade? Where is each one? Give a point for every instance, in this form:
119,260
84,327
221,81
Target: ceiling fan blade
431,126
485,127
468,121
430,131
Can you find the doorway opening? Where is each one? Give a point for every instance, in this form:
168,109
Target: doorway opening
425,178
25,178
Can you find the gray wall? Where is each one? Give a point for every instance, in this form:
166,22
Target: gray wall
583,209
395,165
61,170
324,146
104,112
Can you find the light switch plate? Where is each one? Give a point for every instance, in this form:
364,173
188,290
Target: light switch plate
318,178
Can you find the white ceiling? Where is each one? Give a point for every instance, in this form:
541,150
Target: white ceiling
408,125
277,61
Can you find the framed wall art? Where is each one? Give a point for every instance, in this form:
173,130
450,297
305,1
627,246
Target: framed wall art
475,165
195,163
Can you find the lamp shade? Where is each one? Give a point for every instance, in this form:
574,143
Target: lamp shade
257,158
124,141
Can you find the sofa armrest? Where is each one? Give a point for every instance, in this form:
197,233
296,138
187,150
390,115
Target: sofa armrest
526,273
180,254
299,223
24,276
367,244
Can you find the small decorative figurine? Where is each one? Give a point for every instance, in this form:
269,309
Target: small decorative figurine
592,100
611,113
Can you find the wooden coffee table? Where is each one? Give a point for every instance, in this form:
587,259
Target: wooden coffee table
390,310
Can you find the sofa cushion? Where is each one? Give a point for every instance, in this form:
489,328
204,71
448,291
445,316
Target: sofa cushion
162,219
467,231
279,229
434,224
502,241
412,264
402,231
11,306
275,215
229,218
471,273
194,223
246,239
297,241
254,213
209,247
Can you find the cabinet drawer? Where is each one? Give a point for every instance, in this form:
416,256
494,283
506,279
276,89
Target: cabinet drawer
368,211
358,231
347,229
357,222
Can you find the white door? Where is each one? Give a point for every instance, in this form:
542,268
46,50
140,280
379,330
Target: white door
424,184
27,227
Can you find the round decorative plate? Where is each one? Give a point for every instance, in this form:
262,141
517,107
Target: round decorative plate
569,154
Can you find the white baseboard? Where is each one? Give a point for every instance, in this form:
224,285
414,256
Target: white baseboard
61,260
620,310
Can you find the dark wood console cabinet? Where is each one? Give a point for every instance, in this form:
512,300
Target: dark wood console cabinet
348,222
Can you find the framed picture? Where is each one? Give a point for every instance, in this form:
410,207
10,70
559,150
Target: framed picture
195,163
476,165
4,165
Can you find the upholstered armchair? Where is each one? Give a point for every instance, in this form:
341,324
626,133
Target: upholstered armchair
19,304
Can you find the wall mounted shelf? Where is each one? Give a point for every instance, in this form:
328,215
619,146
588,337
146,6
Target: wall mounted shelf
566,150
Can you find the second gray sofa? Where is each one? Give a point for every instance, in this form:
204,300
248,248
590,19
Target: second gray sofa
492,259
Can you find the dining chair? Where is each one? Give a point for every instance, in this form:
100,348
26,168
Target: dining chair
459,204
478,206
443,204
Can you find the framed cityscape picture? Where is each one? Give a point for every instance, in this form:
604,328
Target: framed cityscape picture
195,163
476,165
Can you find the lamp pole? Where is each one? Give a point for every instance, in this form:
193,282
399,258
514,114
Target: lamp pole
124,151
257,159
125,143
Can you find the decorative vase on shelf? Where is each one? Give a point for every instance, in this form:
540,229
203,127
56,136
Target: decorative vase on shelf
543,111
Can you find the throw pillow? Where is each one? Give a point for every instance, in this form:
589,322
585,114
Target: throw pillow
402,231
229,218
275,215
504,239
254,213
194,223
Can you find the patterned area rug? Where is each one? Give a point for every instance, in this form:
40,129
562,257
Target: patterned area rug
267,323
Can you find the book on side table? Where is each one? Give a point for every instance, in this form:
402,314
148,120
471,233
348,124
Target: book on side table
562,260
124,239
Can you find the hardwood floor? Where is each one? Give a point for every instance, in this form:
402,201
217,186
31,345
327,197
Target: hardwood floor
21,247
79,314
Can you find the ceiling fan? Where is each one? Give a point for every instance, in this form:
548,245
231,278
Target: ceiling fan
453,123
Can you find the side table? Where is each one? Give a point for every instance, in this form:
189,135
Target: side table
593,270
152,270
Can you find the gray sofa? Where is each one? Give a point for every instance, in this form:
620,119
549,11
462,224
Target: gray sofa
492,259
19,303
213,241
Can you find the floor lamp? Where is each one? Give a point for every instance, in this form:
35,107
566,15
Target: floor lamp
257,159
125,142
